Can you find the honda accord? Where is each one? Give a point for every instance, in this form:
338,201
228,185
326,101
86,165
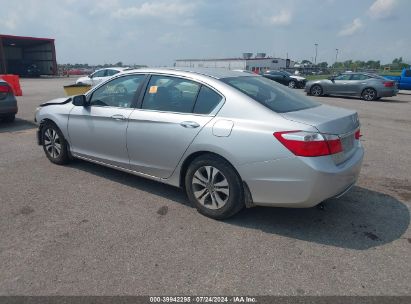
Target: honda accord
229,139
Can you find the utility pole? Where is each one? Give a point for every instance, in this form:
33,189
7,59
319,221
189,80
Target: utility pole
316,49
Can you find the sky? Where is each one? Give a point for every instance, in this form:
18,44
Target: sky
157,32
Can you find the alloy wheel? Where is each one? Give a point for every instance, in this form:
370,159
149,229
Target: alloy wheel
52,143
210,187
291,84
316,90
369,94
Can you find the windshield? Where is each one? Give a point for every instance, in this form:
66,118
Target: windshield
276,97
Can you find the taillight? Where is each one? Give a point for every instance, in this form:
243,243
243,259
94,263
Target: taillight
388,84
5,89
309,144
357,134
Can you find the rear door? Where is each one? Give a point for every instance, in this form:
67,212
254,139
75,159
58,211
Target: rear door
357,83
98,132
173,111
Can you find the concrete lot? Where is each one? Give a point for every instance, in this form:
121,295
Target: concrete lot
84,229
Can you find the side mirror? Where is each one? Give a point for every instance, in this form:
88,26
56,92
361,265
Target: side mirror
80,101
332,78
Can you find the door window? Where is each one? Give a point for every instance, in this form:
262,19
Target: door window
171,94
359,77
207,100
99,73
119,92
343,77
111,72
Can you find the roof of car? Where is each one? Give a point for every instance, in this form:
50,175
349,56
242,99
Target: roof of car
211,72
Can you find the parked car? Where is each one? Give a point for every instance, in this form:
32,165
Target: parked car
367,86
230,139
403,81
99,76
8,102
285,78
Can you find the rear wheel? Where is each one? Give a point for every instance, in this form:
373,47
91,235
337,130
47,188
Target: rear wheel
316,90
9,118
214,187
54,144
369,94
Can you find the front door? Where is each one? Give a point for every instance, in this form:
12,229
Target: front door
98,132
172,113
340,85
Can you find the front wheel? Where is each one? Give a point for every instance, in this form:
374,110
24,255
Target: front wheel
54,144
214,187
369,94
316,90
292,84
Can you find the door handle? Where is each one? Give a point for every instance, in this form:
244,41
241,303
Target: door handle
189,124
118,117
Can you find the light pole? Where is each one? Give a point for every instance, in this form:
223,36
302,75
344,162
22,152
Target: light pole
336,55
316,47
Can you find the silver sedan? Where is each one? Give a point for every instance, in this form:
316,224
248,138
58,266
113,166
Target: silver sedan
229,139
367,86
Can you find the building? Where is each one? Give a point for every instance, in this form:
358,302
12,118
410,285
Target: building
256,64
27,56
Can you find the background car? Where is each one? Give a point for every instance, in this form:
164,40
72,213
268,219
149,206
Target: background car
285,78
8,102
367,86
230,139
100,76
403,81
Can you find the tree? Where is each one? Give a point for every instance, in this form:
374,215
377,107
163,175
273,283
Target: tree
323,65
305,61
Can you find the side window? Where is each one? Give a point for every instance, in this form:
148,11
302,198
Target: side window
119,92
99,73
172,94
359,77
343,77
207,100
111,72
407,73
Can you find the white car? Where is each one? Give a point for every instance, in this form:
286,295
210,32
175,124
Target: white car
100,76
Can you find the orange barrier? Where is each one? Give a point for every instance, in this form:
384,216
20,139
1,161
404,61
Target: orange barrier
14,82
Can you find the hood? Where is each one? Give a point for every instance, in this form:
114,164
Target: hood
299,78
56,101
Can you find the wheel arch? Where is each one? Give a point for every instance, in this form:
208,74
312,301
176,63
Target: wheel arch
190,158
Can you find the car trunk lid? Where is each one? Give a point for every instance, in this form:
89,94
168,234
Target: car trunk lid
334,121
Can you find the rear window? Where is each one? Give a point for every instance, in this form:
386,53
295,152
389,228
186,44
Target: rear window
276,97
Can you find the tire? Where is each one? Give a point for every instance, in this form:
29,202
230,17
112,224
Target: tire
369,94
54,144
292,84
316,90
9,118
214,187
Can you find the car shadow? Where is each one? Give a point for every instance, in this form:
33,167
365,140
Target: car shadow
17,125
140,183
360,220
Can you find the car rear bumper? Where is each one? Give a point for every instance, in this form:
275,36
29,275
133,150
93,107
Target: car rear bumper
299,182
7,109
388,92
